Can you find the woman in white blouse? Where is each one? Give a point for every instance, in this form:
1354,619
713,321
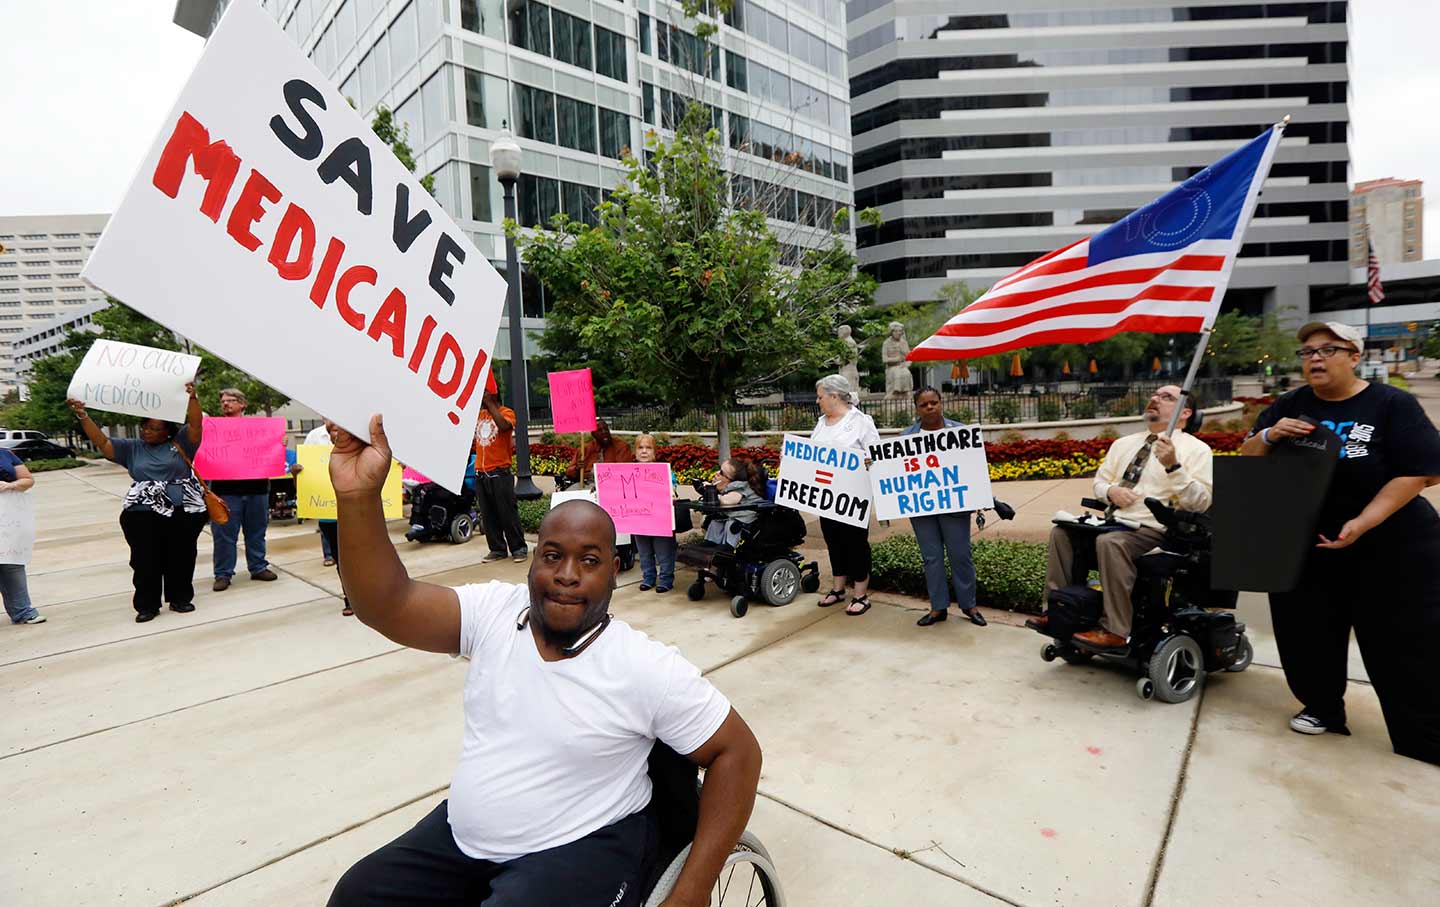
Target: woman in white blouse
842,425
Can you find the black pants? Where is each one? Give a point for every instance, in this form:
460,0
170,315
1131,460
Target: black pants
330,532
162,555
423,866
1389,591
495,492
849,548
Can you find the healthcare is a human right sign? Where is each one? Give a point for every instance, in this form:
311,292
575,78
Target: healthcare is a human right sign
271,225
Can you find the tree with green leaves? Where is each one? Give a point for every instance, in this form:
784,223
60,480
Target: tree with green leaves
678,290
397,136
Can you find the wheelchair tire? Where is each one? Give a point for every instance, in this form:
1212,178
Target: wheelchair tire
1247,655
811,583
462,528
739,605
696,591
1049,651
780,582
1177,669
627,557
747,868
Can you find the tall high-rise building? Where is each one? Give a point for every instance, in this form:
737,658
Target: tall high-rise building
579,82
1390,214
40,283
991,132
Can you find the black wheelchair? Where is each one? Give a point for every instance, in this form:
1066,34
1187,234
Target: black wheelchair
1181,630
749,876
438,515
762,564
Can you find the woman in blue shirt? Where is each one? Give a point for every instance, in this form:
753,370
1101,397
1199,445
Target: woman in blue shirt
16,479
164,509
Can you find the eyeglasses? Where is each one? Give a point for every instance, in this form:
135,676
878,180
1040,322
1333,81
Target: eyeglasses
1323,352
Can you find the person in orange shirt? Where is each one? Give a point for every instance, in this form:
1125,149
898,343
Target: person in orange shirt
494,482
602,448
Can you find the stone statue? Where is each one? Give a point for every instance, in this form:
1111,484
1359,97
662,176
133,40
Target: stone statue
849,359
898,380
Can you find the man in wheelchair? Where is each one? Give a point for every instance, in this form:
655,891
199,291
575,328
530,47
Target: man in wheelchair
1176,470
550,803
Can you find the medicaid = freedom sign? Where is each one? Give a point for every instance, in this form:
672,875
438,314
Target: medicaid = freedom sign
823,480
930,472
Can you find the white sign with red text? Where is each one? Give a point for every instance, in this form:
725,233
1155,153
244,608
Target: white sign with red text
269,224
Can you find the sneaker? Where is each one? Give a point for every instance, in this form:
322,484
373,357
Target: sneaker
493,556
33,619
521,557
1305,723
265,576
221,583
329,561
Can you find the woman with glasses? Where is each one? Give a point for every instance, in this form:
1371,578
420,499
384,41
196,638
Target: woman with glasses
164,509
1376,561
740,482
843,425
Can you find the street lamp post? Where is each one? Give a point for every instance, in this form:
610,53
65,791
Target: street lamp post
505,158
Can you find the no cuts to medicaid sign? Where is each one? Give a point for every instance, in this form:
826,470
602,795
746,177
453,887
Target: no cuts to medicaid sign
929,473
827,481
269,224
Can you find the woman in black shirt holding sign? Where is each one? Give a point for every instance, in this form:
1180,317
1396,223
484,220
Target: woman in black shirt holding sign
1376,563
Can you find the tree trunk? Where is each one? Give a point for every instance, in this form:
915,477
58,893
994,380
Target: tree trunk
722,428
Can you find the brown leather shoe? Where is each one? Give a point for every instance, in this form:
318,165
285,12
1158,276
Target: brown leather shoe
265,576
221,583
1101,638
1041,622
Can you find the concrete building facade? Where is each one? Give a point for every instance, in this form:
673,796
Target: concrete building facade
40,278
1390,213
580,82
989,133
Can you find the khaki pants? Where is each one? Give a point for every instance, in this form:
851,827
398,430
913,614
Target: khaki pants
1115,552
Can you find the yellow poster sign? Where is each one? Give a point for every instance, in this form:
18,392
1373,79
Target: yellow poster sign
315,496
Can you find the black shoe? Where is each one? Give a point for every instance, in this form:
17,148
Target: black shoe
645,588
976,617
182,608
931,617
663,589
144,616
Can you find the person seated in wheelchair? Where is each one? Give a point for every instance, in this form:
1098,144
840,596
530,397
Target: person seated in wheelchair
549,803
432,506
1176,471
740,482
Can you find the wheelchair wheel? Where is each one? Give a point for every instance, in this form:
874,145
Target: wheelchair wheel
748,878
461,528
739,605
696,591
1177,669
627,557
1049,651
780,582
1247,655
811,583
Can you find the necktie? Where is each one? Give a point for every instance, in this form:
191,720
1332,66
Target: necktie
1131,476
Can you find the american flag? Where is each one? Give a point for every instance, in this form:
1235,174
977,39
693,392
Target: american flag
1162,269
1372,279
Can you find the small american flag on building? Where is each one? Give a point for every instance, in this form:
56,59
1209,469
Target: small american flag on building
1374,289
1163,268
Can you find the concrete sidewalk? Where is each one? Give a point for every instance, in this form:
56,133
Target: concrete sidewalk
249,752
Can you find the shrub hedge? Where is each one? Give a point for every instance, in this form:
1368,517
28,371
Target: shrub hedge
52,465
1008,574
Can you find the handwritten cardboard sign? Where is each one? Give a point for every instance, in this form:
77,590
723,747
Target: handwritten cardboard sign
134,380
413,475
242,447
637,496
315,496
17,527
572,401
268,222
929,473
585,494
823,480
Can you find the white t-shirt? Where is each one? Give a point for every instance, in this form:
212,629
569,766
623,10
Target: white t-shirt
855,431
318,435
556,750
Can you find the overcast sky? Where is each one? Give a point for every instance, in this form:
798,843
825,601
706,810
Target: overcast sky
87,83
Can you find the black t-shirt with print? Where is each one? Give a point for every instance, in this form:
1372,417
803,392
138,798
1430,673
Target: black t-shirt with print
1383,434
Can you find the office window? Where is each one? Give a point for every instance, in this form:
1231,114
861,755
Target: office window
480,183
381,53
572,40
647,102
530,27
645,34
487,101
610,54
614,133
539,200
535,113
435,104
431,21
404,40
576,122
735,71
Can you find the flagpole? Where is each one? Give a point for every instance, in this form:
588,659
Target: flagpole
1189,379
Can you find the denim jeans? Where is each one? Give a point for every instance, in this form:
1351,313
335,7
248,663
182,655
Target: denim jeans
657,559
16,592
250,512
938,535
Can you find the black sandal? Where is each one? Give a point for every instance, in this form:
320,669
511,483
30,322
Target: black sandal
837,594
863,600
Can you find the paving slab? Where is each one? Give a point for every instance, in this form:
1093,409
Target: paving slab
1051,783
1272,817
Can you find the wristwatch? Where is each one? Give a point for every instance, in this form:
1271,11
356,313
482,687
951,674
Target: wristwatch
1172,467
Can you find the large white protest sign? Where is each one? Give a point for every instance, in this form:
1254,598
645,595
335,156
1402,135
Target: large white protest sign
17,527
270,224
929,473
827,481
135,380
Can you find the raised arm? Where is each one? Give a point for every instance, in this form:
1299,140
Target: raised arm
194,419
731,759
497,412
418,615
92,431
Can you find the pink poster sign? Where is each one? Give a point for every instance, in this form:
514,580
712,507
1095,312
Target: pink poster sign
637,496
242,447
413,475
572,401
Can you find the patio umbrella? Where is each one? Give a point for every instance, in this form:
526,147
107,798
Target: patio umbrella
1155,366
964,369
1093,367
955,371
1065,370
1015,370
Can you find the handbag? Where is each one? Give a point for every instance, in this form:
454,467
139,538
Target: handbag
218,510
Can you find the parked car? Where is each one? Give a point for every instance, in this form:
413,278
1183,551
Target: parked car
9,437
38,449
